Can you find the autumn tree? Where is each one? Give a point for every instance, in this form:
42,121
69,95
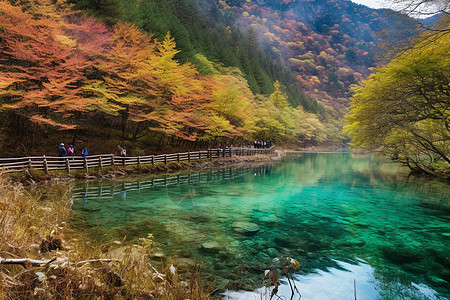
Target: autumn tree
142,83
404,109
233,104
40,74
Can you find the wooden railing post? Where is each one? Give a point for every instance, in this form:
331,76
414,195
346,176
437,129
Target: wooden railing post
112,159
85,164
178,157
165,159
139,161
189,156
100,162
45,165
68,166
208,154
153,160
30,164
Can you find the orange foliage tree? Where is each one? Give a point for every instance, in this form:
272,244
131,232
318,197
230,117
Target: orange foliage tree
40,72
139,80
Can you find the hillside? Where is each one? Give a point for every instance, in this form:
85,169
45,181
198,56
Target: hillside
66,77
180,73
328,44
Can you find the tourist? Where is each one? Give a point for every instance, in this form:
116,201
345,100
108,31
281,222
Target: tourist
84,152
123,151
70,151
61,150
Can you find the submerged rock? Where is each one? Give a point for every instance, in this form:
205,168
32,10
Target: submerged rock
245,228
185,264
269,219
157,254
284,241
211,246
401,255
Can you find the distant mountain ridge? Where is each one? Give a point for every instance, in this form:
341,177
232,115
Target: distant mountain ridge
328,44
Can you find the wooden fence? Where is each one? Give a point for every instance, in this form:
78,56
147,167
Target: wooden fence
51,163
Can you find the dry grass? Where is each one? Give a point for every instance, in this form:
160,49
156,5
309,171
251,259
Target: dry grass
33,225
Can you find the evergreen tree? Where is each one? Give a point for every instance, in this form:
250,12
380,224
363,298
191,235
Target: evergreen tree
108,11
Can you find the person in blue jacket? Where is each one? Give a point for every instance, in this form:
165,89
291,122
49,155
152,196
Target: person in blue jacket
61,150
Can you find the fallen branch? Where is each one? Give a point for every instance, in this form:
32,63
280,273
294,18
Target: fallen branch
24,262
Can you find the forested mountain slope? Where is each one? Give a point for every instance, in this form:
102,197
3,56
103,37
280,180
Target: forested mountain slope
67,77
320,47
328,44
180,73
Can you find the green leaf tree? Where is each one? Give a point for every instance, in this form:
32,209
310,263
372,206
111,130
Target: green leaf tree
404,108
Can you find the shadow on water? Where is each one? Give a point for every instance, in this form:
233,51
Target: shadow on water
325,210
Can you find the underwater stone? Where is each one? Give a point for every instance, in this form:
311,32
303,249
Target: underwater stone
185,263
401,255
284,241
269,219
211,246
245,228
157,254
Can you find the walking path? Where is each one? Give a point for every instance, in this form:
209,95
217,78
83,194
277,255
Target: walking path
51,163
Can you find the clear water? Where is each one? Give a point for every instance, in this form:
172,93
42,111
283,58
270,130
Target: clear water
333,212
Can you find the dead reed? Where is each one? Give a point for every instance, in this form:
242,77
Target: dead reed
33,225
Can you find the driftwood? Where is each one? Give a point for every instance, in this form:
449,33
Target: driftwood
24,262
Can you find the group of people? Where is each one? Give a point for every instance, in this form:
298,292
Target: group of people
62,152
259,144
70,151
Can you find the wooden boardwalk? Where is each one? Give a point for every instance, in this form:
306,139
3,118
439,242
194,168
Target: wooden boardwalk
68,163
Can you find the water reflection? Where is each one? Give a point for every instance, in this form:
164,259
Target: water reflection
318,208
107,189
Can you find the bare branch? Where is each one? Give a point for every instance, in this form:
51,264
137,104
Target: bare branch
24,262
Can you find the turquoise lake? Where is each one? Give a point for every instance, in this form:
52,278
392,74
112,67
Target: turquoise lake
346,218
